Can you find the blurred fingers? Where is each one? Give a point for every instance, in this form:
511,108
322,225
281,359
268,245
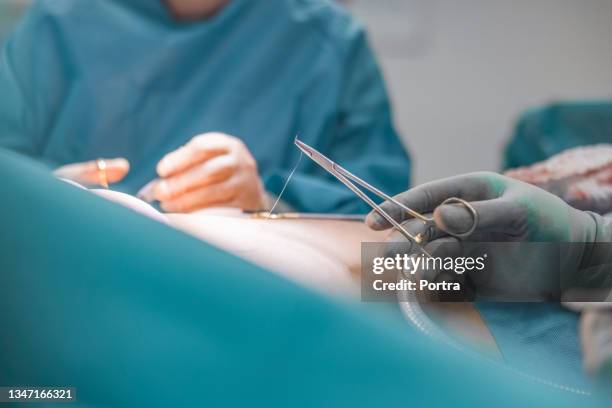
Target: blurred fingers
212,171
206,196
197,150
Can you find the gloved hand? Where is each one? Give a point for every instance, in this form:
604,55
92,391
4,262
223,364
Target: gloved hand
212,169
509,211
88,173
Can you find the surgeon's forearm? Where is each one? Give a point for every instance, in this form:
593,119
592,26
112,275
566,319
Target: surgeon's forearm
596,267
604,227
591,281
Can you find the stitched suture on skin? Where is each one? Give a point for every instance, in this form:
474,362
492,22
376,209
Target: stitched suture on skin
257,244
280,195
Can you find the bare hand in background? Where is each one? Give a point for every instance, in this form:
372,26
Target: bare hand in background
212,169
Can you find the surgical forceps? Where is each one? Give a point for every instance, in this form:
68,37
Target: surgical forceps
349,179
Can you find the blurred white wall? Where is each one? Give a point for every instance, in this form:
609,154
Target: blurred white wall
461,71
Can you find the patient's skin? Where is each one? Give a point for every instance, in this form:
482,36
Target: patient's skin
324,255
132,203
195,9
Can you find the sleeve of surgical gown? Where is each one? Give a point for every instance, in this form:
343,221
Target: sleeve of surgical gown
361,139
31,84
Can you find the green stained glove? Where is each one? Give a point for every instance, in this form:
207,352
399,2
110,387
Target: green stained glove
508,211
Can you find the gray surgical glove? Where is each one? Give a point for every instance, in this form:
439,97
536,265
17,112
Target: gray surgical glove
509,211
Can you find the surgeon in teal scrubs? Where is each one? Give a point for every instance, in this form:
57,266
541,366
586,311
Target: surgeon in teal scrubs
206,95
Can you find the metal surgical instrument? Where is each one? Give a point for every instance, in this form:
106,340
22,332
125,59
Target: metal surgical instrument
350,180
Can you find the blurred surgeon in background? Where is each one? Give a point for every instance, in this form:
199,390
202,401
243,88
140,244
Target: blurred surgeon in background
206,95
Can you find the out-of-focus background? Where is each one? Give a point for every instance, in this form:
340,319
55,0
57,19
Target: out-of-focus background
470,67
10,11
461,71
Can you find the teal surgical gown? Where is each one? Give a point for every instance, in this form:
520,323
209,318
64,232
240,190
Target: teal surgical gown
543,132
83,79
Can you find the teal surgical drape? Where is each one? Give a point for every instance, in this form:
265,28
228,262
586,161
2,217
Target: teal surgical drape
134,313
